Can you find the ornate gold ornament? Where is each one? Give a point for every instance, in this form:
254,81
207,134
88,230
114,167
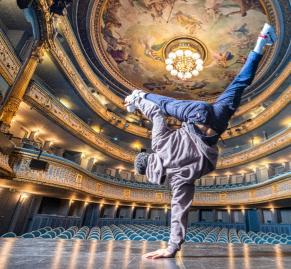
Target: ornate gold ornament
184,57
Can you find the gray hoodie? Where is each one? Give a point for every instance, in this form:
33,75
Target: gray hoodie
182,157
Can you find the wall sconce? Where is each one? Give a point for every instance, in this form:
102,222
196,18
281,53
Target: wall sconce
228,210
166,208
23,197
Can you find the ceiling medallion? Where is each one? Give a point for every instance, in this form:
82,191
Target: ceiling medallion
185,57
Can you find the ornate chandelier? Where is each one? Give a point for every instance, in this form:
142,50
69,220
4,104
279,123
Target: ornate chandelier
184,63
185,57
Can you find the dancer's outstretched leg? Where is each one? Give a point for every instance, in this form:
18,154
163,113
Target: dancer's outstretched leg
227,103
180,109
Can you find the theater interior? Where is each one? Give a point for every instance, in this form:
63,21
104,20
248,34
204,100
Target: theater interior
69,194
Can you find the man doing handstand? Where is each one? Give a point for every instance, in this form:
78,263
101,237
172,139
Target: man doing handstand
186,154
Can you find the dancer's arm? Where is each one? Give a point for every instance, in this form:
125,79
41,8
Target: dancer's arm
155,115
182,197
180,204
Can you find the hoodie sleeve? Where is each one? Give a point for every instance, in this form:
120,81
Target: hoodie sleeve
182,197
155,115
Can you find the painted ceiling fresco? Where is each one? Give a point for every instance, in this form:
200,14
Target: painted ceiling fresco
133,31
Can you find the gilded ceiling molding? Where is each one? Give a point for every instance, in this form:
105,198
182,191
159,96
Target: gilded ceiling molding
279,104
68,67
69,35
95,29
53,108
274,144
96,42
71,122
73,43
66,64
245,126
121,123
68,176
9,63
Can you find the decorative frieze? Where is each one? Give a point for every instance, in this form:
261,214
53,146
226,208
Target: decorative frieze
274,144
66,175
48,104
9,64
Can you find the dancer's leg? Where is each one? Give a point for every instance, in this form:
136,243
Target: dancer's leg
180,109
229,100
232,95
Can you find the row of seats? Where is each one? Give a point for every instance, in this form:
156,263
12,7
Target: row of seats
142,232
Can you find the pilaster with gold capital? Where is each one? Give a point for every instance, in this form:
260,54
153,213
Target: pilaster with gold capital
19,86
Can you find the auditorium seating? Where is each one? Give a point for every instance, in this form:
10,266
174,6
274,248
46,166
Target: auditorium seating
142,232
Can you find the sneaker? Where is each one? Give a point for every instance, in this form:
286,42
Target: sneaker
268,33
131,98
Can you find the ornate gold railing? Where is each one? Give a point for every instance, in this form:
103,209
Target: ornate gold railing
66,64
54,109
274,144
47,103
279,104
69,176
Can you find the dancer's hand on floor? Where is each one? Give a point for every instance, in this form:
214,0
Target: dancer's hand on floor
160,253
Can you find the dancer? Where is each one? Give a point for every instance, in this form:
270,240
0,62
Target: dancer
184,155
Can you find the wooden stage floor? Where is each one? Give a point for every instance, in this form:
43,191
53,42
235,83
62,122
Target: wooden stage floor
79,254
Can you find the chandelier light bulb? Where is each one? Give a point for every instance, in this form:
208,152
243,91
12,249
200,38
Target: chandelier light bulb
195,56
174,72
169,61
172,55
199,68
179,53
188,75
188,53
199,62
180,75
195,73
169,67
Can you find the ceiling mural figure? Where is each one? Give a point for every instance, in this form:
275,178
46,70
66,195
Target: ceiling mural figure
134,34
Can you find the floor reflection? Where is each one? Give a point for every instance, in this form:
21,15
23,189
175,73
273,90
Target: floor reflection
5,252
279,257
246,251
109,249
73,261
92,254
230,257
85,254
58,254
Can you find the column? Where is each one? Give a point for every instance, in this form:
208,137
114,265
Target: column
90,164
148,213
19,87
47,145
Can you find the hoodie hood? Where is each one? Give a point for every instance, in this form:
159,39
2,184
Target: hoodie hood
155,170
